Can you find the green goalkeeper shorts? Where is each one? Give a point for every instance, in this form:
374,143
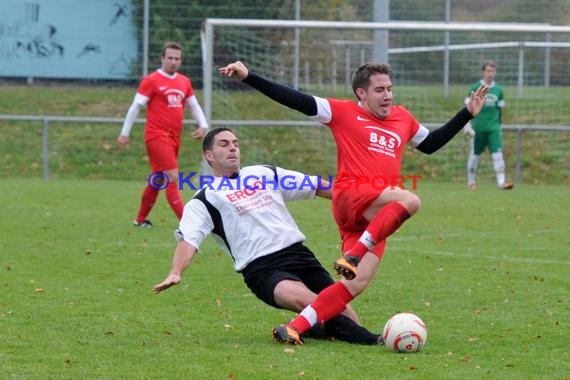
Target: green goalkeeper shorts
490,139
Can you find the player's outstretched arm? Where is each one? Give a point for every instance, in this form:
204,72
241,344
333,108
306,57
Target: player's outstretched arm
182,257
280,93
437,138
442,135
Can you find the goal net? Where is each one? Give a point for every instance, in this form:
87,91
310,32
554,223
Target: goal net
433,64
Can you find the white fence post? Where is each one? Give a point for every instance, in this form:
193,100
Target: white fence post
45,147
521,70
518,153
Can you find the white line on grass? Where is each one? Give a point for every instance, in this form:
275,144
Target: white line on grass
470,235
487,257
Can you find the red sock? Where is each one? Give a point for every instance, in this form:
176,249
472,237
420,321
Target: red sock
147,201
300,324
174,199
384,224
329,303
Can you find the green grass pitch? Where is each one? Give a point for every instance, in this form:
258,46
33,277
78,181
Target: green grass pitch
488,271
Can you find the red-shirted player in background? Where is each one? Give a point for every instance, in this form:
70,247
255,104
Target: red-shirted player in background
166,92
370,135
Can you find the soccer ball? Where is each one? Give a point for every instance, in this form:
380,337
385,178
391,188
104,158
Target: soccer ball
405,333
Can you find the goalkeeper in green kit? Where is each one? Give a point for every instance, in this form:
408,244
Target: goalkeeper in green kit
485,129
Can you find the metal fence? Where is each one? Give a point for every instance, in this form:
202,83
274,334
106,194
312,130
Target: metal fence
515,136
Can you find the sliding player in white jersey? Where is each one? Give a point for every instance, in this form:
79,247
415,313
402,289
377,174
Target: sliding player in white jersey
245,210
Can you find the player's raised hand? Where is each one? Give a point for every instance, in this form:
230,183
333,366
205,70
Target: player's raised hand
477,100
171,280
236,69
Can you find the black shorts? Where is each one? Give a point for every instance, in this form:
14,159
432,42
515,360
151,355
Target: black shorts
296,262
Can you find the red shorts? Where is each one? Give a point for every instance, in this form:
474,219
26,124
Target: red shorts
350,200
162,153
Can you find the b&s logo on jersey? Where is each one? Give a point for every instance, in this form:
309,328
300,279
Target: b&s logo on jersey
174,98
383,141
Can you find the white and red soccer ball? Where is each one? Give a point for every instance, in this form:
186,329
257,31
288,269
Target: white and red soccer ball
404,333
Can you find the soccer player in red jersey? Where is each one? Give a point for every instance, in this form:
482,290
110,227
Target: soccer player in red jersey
166,93
370,135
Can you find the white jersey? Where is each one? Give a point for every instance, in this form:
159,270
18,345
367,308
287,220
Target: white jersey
247,215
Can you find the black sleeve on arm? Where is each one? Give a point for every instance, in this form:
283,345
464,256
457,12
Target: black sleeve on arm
285,95
441,136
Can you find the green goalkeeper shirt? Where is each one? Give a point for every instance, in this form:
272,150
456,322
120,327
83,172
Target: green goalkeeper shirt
489,119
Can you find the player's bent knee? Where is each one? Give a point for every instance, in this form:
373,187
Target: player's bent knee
412,203
172,175
293,295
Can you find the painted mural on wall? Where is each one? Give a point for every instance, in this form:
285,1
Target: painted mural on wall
89,39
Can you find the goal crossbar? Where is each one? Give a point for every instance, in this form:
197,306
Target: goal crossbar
395,25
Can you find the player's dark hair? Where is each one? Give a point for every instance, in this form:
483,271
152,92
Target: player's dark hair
361,78
171,45
489,63
208,141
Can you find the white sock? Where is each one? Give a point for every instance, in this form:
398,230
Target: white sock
310,315
472,163
499,166
367,240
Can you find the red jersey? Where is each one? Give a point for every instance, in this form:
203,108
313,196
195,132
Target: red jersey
368,146
167,100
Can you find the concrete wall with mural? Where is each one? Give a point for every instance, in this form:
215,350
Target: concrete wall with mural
86,39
